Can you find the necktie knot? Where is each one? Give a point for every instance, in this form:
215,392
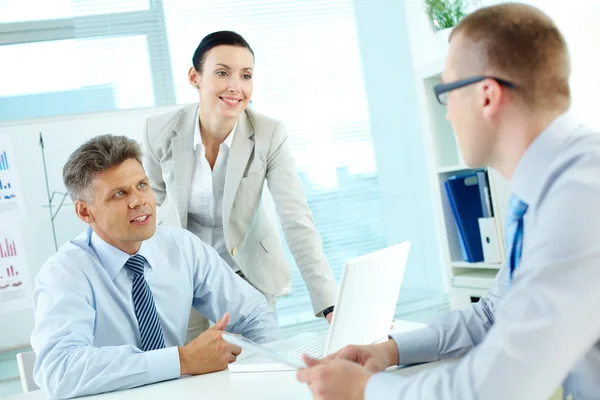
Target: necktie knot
136,264
516,209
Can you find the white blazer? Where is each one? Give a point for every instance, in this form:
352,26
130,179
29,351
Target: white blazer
259,152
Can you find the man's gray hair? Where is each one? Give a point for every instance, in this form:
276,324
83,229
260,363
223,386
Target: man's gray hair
95,156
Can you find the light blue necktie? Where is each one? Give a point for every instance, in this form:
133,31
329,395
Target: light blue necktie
145,310
514,233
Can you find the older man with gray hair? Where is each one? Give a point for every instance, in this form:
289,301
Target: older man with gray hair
112,305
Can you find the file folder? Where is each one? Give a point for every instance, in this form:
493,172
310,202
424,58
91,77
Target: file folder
465,201
484,194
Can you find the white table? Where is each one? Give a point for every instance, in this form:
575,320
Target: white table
225,385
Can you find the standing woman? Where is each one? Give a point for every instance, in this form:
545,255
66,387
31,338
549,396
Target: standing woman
207,165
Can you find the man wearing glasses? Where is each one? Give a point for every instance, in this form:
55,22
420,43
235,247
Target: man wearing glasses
506,88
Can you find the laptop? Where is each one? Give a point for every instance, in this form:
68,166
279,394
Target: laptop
364,311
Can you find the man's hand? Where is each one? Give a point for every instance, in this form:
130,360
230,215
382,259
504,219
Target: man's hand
374,357
208,352
329,317
334,379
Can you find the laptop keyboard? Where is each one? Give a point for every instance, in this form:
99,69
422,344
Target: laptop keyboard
314,348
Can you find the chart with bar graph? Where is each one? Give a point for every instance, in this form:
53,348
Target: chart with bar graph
4,185
16,286
8,249
10,189
10,272
3,161
15,282
6,190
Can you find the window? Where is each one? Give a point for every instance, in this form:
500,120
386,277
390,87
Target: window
38,10
101,74
82,56
122,54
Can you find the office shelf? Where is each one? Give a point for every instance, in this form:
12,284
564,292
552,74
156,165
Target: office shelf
478,265
467,281
454,168
475,279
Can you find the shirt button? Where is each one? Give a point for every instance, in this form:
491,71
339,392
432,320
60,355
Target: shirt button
234,251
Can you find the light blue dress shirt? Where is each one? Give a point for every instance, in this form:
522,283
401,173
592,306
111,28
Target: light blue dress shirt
86,336
522,342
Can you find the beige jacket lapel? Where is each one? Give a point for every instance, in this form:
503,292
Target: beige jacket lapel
182,145
241,150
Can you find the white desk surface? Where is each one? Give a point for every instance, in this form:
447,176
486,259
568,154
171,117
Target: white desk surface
225,385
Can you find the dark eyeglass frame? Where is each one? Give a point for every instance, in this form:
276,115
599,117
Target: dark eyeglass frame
447,87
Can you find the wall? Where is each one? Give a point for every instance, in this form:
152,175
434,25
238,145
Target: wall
396,129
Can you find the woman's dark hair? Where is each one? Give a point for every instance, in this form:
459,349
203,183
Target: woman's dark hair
215,39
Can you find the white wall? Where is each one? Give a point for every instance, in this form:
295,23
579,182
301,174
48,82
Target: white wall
396,130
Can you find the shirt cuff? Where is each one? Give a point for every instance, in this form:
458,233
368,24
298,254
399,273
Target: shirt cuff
163,364
417,346
382,386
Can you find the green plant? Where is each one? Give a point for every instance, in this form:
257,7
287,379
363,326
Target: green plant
445,13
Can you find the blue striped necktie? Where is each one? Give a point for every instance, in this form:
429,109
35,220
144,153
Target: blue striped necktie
514,233
145,310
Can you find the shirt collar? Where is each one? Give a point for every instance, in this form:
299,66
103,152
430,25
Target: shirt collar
229,138
113,259
530,173
198,138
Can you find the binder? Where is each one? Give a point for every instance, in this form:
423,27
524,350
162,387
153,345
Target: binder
484,194
492,254
465,201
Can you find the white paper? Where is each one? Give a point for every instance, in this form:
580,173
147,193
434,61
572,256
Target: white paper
11,195
16,287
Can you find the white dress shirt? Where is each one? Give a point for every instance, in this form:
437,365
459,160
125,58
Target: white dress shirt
86,336
205,206
522,342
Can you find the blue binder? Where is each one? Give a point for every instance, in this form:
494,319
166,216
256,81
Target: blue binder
465,201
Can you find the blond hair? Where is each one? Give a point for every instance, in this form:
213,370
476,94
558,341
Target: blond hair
523,45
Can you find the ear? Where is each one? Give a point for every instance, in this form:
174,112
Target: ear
491,97
84,212
193,78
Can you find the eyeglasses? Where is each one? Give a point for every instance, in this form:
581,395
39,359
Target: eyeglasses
442,91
